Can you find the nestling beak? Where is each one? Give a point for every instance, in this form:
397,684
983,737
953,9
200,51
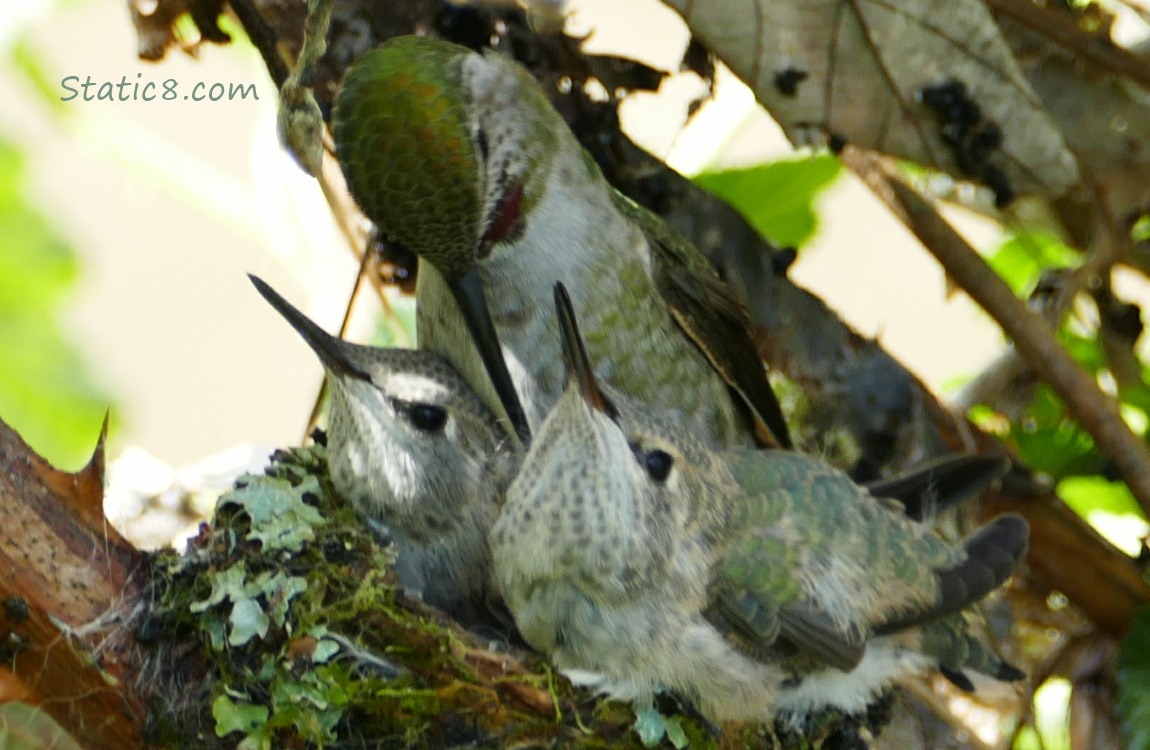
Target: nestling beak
333,352
575,359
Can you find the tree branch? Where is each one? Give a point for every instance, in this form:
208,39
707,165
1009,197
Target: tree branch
1033,339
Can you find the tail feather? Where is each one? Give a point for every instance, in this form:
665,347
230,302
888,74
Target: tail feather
956,651
992,553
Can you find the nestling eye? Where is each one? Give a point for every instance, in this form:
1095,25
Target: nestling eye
427,417
658,464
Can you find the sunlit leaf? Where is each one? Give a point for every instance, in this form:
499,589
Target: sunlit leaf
1086,351
236,717
1138,394
1051,442
1140,232
1086,494
1022,258
46,391
1108,507
777,198
1051,711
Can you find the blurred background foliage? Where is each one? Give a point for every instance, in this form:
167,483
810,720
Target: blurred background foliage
778,198
47,391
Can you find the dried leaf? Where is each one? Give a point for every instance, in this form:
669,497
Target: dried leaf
1105,119
857,72
65,570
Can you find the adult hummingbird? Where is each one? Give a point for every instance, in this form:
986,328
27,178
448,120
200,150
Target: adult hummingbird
460,157
751,583
425,461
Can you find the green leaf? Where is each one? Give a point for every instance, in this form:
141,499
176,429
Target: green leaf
1051,714
1137,394
1134,682
248,621
1140,232
46,391
279,590
1086,351
1109,507
777,198
675,732
1021,259
1051,442
651,726
1087,494
324,650
237,717
281,520
229,583
27,59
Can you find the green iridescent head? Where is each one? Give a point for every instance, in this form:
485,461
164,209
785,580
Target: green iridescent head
404,139
446,149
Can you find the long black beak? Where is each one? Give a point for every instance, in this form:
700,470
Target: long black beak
468,293
575,359
333,352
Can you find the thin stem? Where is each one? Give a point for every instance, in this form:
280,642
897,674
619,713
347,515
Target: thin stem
263,38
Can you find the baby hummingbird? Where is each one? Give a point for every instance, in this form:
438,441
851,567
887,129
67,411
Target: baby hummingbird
420,456
750,583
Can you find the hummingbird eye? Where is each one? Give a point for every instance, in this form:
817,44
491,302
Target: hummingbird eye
658,464
426,417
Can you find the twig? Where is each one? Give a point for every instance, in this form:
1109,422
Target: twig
1097,413
1007,383
1061,29
330,179
263,38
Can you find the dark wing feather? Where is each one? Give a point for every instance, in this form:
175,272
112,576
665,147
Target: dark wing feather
759,628
816,634
933,487
709,314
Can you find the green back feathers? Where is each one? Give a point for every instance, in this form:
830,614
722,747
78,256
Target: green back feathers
404,141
